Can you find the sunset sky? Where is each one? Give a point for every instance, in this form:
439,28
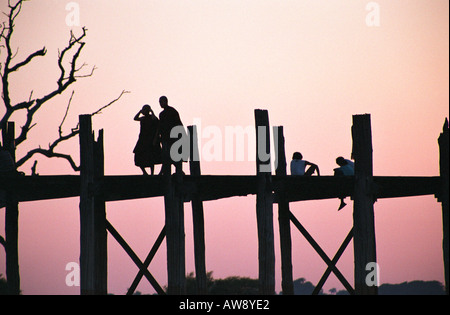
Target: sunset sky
311,64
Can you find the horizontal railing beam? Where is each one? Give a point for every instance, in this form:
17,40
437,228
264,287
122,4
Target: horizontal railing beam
213,187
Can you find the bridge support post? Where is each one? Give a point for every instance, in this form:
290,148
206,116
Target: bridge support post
175,238
197,216
93,235
284,222
11,220
264,205
443,197
363,214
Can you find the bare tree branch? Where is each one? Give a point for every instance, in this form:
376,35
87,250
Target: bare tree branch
110,103
41,52
50,152
69,72
63,83
7,33
65,114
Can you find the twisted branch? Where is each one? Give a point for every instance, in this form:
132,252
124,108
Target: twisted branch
68,74
50,152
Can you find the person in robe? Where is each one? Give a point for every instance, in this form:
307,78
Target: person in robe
169,119
147,152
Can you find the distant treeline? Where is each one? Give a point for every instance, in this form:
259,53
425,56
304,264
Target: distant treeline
247,286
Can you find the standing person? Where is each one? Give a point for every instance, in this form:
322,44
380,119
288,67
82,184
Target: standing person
147,151
298,166
346,168
169,118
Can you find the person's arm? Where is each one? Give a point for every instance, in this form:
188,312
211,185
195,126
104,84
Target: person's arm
316,167
137,118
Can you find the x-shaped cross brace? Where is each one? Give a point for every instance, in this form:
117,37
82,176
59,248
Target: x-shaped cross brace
331,263
143,267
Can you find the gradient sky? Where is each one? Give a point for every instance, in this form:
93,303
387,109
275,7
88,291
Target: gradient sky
311,64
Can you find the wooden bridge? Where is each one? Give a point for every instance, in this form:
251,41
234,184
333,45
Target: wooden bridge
95,190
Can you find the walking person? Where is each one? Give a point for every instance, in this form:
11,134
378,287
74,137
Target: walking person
169,118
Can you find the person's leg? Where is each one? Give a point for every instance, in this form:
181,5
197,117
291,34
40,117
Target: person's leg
311,170
166,160
342,205
144,172
178,167
152,169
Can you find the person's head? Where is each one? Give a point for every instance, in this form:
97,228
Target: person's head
297,156
146,109
341,161
163,101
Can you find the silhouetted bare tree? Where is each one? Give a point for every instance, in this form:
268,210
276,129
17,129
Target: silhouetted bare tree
69,72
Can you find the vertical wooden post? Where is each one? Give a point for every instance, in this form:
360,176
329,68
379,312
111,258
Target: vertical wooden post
363,214
197,216
11,221
101,248
264,205
93,237
443,197
175,238
284,222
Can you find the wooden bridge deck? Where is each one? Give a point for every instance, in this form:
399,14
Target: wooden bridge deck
213,187
94,189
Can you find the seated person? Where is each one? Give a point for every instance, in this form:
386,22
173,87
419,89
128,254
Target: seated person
346,168
298,166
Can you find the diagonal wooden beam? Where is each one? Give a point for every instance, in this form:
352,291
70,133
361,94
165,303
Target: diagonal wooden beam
147,261
133,257
334,262
320,251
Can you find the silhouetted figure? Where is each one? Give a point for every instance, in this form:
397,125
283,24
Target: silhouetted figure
169,118
298,166
346,168
147,151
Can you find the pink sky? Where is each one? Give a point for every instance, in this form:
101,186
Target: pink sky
312,64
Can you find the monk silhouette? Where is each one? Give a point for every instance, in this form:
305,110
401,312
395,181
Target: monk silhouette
147,151
169,118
